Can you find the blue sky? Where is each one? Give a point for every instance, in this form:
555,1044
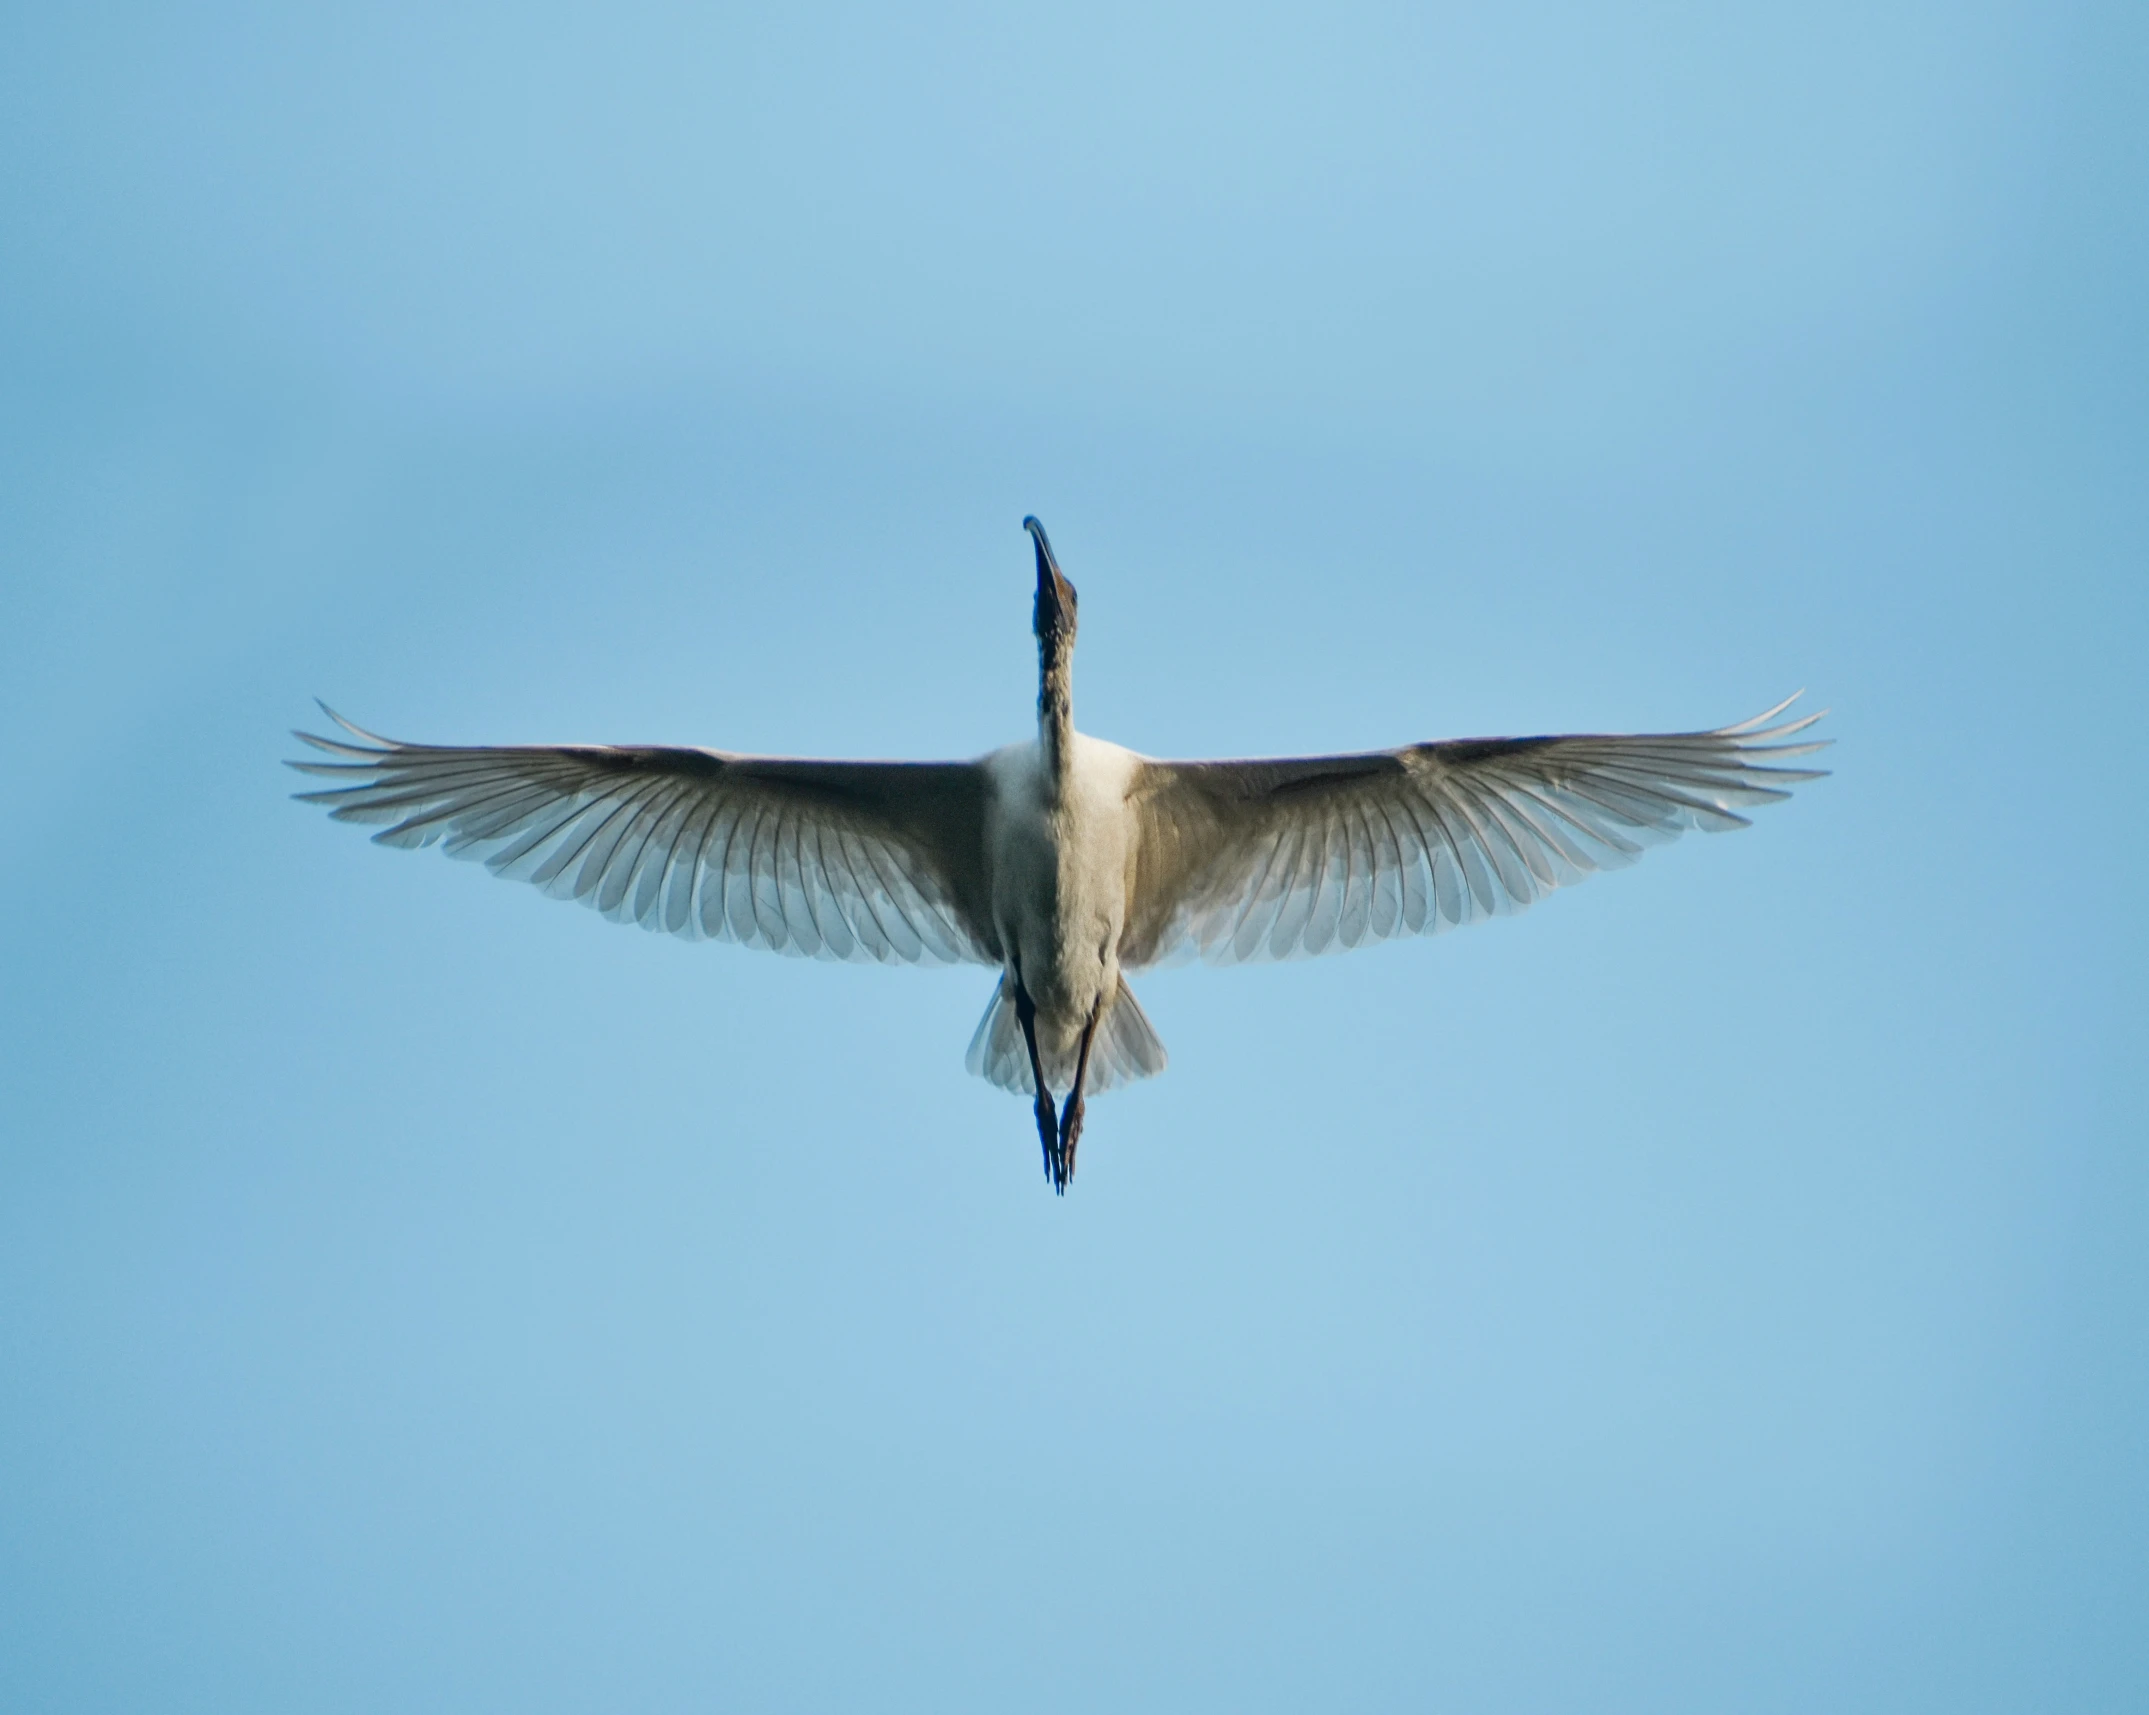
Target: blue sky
1722,1287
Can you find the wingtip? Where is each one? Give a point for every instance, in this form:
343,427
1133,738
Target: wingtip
1749,736
1764,717
369,753
356,730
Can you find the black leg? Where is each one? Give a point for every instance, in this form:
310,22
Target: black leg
1071,1115
1048,1133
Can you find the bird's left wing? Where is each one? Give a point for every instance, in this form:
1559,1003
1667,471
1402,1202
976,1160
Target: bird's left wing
1301,855
836,860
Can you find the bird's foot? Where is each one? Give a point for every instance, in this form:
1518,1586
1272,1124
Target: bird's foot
1048,1136
1070,1134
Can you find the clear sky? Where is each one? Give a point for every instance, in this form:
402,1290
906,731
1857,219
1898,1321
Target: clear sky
1724,1288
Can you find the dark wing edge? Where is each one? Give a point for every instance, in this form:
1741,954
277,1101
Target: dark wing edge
1288,858
836,860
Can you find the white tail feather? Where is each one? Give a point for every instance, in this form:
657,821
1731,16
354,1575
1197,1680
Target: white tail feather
1125,1050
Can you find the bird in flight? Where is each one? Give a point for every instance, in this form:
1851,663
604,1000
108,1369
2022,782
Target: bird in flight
1064,861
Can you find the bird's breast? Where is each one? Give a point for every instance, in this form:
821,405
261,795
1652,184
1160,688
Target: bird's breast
1058,853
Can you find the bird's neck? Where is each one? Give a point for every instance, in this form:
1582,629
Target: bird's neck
1055,707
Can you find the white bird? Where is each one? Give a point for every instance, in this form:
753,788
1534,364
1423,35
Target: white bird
1066,862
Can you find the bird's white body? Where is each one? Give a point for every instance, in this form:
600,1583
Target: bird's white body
1058,854
1065,861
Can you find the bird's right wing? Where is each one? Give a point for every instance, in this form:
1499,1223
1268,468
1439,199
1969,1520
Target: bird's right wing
1279,859
836,860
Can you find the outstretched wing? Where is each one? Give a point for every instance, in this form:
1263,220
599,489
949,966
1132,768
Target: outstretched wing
1280,859
835,860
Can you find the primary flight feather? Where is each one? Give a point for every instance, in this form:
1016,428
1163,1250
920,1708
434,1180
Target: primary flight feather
1066,861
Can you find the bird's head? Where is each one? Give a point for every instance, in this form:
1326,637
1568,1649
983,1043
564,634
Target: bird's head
1054,616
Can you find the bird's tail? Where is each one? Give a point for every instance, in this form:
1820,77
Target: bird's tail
1125,1050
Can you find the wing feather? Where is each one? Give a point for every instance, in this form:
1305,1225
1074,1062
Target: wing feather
1284,858
841,860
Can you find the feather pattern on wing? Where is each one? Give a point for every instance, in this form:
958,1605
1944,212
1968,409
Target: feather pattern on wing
1282,859
834,860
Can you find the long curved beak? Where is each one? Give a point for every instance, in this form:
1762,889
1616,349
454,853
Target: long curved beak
1055,595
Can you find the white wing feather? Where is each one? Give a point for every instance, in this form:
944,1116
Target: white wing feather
1293,857
833,860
